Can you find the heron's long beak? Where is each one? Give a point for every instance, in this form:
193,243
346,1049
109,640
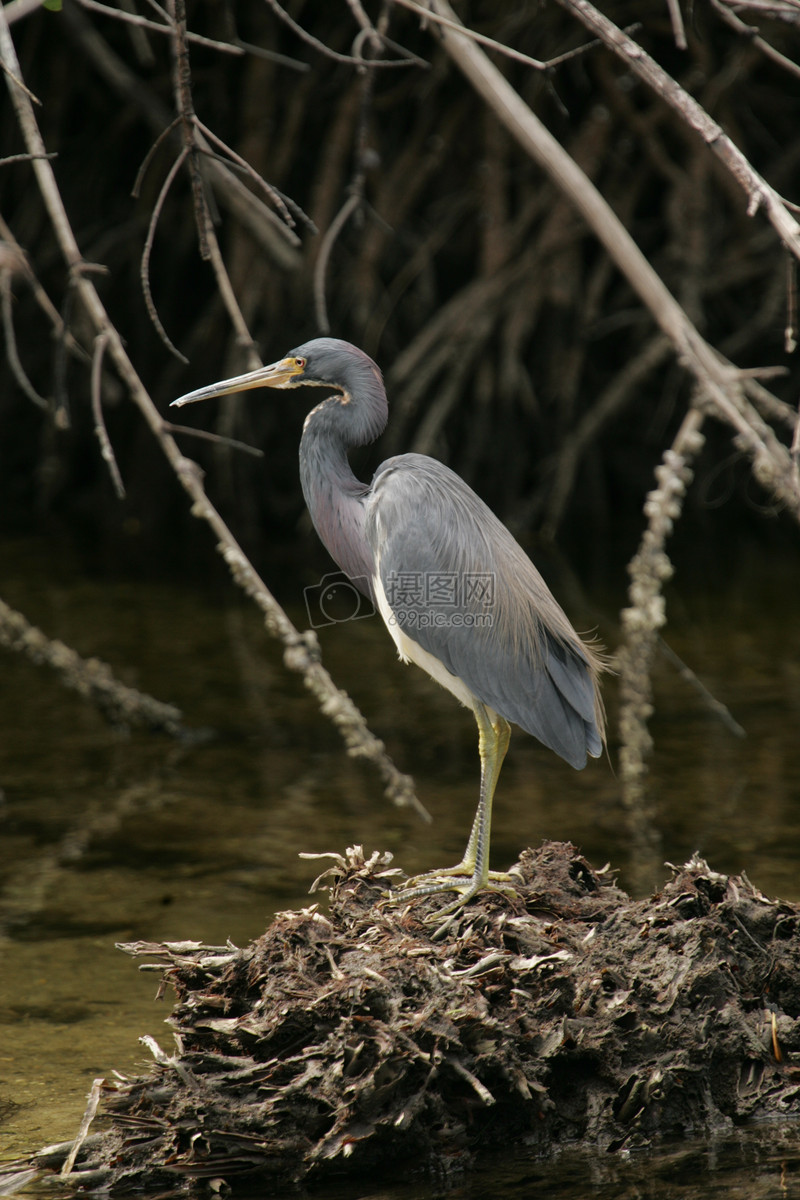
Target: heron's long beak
276,375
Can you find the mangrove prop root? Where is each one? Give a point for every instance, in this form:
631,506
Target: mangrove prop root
351,1040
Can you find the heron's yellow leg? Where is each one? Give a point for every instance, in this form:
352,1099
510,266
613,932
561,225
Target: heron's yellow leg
493,739
472,874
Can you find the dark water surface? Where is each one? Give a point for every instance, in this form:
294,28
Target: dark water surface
107,836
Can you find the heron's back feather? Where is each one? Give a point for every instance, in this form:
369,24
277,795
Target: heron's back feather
460,586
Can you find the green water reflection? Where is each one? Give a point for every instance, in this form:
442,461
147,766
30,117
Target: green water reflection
107,836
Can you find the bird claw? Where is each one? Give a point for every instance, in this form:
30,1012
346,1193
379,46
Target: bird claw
462,878
452,879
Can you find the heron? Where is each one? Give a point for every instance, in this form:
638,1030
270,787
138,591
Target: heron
459,596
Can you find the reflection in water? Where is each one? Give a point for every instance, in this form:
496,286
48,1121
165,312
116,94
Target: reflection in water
112,837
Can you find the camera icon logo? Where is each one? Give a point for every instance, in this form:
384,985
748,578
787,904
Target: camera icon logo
335,599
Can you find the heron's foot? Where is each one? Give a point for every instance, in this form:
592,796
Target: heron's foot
463,880
446,879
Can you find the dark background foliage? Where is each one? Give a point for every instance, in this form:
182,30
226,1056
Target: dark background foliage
512,347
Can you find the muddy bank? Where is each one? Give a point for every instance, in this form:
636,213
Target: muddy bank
346,1038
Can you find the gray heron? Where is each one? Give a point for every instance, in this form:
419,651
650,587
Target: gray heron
458,595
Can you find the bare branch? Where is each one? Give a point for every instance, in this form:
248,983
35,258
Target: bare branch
770,406
207,238
795,450
649,569
735,22
279,200
269,232
757,190
89,677
719,381
39,294
778,10
790,332
301,651
184,103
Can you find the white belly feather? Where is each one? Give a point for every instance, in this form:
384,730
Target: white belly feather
411,651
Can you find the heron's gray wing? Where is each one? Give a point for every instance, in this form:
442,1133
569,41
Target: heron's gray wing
461,587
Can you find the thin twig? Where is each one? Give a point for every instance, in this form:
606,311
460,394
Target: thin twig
217,438
278,199
228,15
429,14
130,18
88,1117
377,37
715,706
676,18
106,449
282,60
10,159
12,78
144,270
408,61
350,206
12,357
321,266
227,162
151,153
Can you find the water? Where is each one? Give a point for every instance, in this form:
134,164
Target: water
108,837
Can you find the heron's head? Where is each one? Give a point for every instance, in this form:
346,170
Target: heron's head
323,362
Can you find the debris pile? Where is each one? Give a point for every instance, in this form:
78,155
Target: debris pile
344,1041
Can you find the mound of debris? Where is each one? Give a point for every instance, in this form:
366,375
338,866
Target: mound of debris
345,1041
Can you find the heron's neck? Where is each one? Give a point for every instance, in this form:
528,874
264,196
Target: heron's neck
334,495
